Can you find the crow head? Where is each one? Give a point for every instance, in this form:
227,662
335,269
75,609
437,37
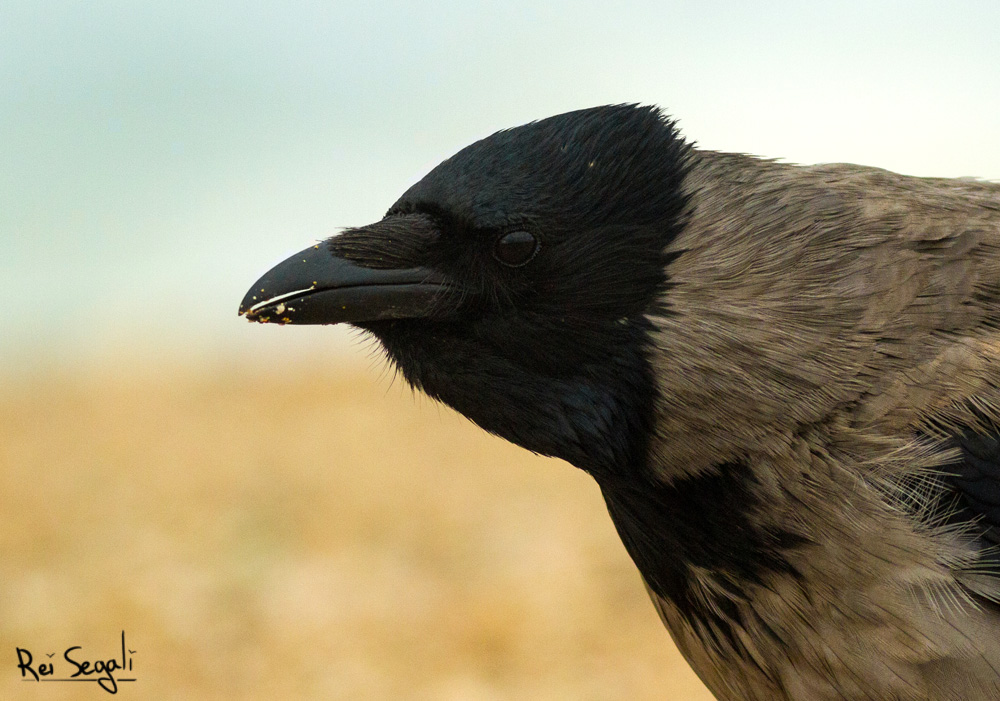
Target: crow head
515,280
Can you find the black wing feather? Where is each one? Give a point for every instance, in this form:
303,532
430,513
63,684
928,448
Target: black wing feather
975,478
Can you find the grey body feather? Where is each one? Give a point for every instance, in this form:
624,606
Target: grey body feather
867,314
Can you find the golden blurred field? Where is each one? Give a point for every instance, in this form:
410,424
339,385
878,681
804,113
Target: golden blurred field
306,532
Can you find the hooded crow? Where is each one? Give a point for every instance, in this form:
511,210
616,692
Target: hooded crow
785,380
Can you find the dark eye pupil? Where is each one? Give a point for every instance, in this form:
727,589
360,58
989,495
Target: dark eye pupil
516,248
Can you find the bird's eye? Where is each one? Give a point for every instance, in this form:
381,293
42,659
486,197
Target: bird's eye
515,248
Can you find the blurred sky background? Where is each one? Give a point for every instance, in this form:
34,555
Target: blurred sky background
156,157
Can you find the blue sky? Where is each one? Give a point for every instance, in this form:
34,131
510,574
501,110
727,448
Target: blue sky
155,157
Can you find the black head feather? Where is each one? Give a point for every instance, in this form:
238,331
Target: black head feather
618,165
548,353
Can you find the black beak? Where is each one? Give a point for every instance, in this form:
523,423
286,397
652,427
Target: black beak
316,287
